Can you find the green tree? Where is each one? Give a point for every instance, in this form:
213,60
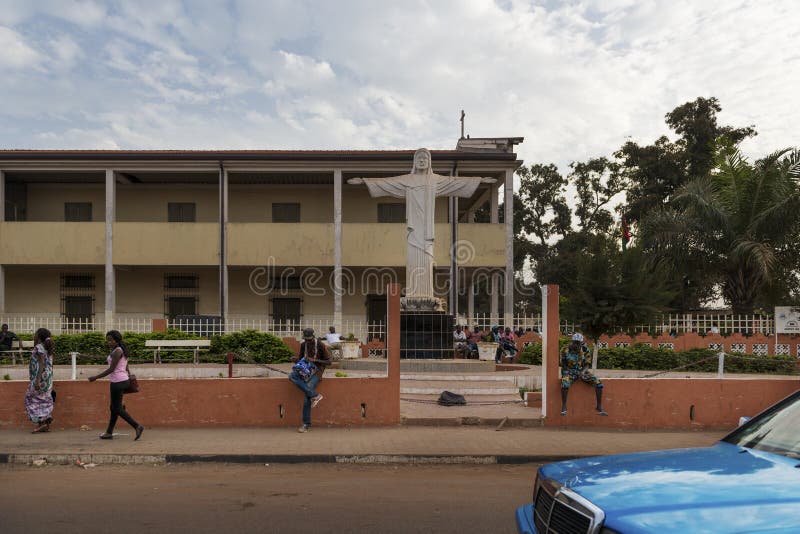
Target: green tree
614,289
740,224
599,183
653,174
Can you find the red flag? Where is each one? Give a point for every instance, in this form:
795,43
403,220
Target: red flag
626,234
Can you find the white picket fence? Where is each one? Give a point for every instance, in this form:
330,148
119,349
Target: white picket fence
364,331
680,323
361,330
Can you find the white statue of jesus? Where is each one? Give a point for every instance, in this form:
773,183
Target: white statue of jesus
420,189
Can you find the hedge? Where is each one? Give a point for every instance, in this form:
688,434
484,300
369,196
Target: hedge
249,345
644,358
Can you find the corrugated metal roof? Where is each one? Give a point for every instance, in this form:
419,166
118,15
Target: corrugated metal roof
349,155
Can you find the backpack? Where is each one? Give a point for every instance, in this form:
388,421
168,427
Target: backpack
448,398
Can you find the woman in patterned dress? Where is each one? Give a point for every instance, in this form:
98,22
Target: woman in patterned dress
39,395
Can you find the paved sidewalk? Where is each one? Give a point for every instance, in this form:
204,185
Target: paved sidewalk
415,444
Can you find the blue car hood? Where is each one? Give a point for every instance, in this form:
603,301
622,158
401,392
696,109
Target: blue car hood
724,488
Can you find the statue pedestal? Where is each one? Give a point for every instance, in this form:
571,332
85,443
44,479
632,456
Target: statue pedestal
426,335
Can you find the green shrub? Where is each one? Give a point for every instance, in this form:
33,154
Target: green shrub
532,354
252,345
644,358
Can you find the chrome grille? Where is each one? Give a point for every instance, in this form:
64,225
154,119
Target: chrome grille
554,514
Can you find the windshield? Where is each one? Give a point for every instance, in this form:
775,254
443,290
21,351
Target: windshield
776,430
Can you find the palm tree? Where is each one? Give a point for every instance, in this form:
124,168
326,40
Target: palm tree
740,224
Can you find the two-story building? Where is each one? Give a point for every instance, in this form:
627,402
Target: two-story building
95,239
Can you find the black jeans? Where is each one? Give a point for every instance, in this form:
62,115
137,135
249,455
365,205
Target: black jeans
117,409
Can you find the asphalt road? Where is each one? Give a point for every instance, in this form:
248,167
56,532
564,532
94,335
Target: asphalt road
263,498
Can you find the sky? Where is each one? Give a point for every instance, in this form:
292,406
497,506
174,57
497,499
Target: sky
575,79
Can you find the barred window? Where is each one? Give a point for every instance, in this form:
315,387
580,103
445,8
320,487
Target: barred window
286,310
390,212
77,301
181,294
283,212
181,281
77,211
181,212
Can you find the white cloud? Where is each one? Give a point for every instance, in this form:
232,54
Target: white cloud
16,52
575,79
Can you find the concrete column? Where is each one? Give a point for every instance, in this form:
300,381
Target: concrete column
470,302
110,275
453,305
508,304
2,289
223,243
551,395
337,249
494,297
493,215
494,287
2,196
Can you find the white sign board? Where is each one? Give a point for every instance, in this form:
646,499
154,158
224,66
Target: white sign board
787,320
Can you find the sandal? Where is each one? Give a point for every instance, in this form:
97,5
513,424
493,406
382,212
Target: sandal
106,436
44,427
139,431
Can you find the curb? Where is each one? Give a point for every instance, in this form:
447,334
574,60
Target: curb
361,459
470,421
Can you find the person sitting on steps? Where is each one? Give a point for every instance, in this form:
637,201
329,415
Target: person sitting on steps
460,342
575,366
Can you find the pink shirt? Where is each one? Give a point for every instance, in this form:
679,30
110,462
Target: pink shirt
119,374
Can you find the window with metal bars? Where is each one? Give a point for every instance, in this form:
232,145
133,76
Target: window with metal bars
181,212
391,212
287,310
181,294
285,212
77,301
77,211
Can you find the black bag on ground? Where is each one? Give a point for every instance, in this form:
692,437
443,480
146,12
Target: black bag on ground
448,398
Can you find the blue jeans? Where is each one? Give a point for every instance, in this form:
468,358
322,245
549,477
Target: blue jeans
308,390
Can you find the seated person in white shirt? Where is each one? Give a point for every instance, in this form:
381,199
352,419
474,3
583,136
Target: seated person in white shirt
460,342
333,339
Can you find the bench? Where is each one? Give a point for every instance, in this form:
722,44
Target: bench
166,345
24,347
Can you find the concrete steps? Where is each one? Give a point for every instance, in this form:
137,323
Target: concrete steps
421,366
462,387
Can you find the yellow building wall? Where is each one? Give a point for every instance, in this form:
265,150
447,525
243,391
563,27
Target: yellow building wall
241,298
46,201
359,207
141,290
286,243
148,243
148,203
46,243
254,204
38,290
